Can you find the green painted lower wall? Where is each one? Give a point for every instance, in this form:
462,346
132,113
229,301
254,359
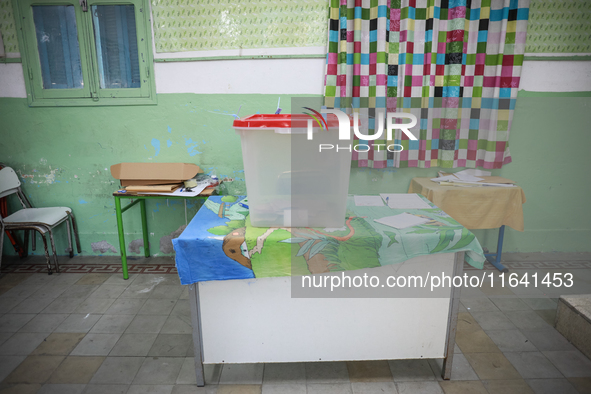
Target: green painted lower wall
63,156
549,145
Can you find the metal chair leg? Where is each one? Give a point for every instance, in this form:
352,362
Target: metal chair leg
49,271
1,240
70,249
75,228
26,242
57,267
33,241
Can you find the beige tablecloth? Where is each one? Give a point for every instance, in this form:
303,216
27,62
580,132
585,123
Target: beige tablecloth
475,207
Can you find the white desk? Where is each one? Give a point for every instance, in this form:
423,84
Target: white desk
258,321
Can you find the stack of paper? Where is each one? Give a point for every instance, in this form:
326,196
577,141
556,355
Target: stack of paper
474,172
473,178
153,188
368,201
404,201
403,220
467,177
445,178
181,192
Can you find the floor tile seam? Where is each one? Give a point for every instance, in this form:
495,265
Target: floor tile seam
522,333
436,373
106,332
152,314
83,300
40,356
85,314
134,376
56,368
482,329
504,314
157,357
532,310
22,354
547,359
514,367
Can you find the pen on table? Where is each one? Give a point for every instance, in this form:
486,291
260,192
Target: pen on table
387,200
243,205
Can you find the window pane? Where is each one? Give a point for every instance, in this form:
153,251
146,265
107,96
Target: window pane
116,46
57,42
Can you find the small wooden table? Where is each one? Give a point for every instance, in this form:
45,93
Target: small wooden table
141,198
481,207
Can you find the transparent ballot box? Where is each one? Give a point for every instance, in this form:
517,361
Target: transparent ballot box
296,170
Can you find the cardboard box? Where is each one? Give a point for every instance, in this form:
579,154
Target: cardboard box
153,188
153,173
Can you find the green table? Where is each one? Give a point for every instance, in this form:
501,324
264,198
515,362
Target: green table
141,199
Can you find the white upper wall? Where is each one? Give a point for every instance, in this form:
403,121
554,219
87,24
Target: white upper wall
289,76
12,81
297,76
265,76
556,76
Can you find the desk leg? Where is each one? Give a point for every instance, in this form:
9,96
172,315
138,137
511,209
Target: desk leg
145,228
197,339
495,258
119,215
452,321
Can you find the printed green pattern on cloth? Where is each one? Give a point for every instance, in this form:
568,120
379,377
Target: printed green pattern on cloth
220,243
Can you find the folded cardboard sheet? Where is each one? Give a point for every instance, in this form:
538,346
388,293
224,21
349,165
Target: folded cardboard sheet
153,188
142,174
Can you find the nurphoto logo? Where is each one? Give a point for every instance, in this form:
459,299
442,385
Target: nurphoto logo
345,129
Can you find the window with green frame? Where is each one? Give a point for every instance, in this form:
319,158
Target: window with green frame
87,52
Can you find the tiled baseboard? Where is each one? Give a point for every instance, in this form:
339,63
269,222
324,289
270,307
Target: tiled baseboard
146,268
92,268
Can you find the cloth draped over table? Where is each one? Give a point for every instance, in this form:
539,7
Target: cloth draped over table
454,64
220,243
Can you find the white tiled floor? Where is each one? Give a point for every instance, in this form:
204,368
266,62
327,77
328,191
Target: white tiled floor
96,333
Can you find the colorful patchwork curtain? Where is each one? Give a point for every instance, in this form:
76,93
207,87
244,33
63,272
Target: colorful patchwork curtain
454,64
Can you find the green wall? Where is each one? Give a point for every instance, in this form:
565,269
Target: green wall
63,156
549,144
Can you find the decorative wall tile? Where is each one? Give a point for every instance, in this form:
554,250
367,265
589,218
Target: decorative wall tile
555,26
7,27
559,26
202,25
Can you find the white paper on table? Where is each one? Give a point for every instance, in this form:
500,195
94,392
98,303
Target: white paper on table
403,220
178,193
466,183
456,184
474,172
368,201
447,178
497,184
404,201
467,177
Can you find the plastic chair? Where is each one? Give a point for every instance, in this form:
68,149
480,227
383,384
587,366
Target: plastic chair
42,220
